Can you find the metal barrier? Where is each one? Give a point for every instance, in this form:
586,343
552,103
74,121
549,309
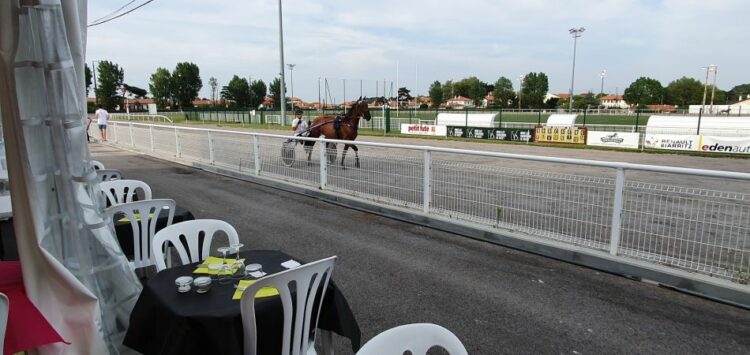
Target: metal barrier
140,117
599,208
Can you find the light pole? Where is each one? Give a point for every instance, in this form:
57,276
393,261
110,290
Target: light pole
713,89
291,78
281,62
709,69
93,72
575,32
319,105
520,86
602,74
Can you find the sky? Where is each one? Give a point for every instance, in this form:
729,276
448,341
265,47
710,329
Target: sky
354,46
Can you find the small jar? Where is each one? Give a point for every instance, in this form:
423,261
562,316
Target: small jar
202,284
183,283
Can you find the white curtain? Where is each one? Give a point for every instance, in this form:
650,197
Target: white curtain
74,270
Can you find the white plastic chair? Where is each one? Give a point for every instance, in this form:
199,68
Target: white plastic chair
98,165
417,338
123,191
4,305
307,279
108,174
143,216
192,231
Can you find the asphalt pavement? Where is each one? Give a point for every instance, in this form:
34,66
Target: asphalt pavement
495,299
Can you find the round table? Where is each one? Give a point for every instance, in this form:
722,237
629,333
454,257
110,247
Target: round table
165,321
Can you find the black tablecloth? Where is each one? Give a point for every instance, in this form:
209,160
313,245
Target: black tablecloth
165,321
124,230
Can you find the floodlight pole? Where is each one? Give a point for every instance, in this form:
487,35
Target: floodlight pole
713,89
93,71
281,60
291,75
705,87
603,74
575,32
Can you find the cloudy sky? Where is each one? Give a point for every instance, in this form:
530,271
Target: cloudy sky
365,42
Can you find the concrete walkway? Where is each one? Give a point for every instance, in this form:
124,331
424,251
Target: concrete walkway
496,300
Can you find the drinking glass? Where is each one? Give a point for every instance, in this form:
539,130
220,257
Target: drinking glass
235,248
224,272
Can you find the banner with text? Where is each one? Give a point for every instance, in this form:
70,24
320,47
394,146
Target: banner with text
501,134
424,129
739,145
672,141
613,139
574,135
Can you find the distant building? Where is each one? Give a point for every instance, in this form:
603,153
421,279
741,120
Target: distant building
662,108
488,100
614,101
459,102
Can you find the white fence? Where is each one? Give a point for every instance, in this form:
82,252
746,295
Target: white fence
593,205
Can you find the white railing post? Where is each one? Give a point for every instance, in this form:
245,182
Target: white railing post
427,181
132,142
151,136
614,240
256,154
210,148
323,162
177,142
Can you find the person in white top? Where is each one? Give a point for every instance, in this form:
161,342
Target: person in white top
101,119
299,125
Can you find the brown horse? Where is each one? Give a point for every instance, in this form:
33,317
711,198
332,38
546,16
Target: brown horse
339,127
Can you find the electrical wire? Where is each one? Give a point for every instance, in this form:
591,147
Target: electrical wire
114,12
120,15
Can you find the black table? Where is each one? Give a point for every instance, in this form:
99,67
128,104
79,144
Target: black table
165,321
124,230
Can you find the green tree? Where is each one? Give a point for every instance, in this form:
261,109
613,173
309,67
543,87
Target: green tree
404,95
136,91
186,83
585,101
88,75
237,90
535,88
503,92
448,90
684,91
734,94
160,86
472,88
275,89
110,81
644,91
258,93
436,94
213,83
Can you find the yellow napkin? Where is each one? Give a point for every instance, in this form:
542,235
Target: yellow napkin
215,260
263,292
137,217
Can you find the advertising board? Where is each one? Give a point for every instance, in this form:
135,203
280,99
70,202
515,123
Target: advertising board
424,130
671,141
613,139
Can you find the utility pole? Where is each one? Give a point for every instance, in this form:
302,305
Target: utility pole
281,62
713,89
93,71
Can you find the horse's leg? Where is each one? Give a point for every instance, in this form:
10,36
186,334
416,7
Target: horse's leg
308,149
356,155
343,155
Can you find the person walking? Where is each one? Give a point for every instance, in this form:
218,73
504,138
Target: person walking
102,116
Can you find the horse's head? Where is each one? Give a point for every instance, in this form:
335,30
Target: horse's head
360,109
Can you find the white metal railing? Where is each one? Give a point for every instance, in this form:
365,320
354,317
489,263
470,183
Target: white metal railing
670,220
139,117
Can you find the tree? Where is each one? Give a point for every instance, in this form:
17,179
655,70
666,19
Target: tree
448,90
88,75
404,95
472,88
535,88
436,94
644,91
684,91
503,92
734,94
585,101
186,83
275,90
161,88
258,93
237,90
136,91
213,83
110,80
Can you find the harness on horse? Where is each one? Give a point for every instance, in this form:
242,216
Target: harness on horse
337,122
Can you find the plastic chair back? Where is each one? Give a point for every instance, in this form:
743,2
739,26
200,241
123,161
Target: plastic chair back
4,306
308,280
123,191
192,231
417,338
97,165
143,216
108,174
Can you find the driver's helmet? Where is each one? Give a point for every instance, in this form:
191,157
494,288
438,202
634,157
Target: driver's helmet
297,112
